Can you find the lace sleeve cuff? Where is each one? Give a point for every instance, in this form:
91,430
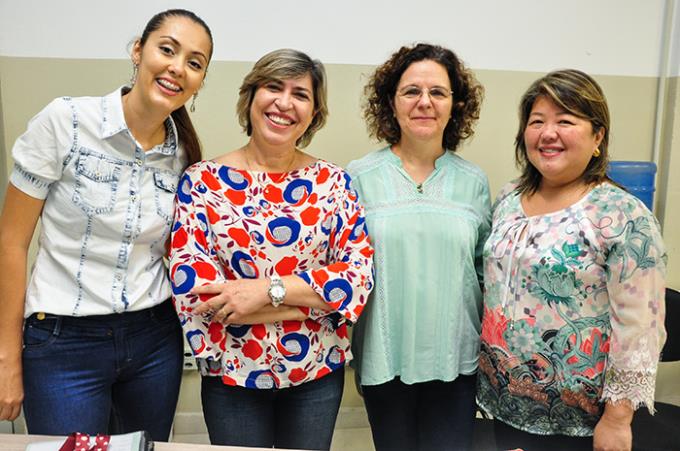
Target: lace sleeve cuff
634,386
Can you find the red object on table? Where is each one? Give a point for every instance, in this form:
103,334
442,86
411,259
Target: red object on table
81,442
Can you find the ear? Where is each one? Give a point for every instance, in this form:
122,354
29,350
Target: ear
315,114
599,136
136,53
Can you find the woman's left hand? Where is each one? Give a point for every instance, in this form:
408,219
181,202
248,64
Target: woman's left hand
234,299
613,431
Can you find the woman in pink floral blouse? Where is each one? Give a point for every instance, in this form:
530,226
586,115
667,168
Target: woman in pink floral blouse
574,283
270,262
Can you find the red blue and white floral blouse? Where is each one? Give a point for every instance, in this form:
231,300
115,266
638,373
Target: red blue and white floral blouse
573,311
231,224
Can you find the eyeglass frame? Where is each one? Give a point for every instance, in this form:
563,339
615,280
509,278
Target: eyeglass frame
400,93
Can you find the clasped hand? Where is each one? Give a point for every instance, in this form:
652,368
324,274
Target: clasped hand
233,300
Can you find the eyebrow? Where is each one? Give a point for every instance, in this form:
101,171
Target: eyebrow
177,43
295,88
559,113
413,85
302,88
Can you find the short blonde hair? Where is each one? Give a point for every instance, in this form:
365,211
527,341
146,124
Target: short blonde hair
284,64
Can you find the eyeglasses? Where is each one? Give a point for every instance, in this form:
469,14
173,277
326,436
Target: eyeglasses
436,93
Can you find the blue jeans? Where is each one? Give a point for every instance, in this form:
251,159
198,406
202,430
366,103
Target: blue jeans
300,417
86,373
432,415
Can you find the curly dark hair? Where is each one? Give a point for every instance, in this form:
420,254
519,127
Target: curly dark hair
579,94
382,87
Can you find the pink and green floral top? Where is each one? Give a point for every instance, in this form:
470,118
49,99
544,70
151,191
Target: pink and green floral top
573,311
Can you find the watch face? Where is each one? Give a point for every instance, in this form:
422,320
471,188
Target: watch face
278,291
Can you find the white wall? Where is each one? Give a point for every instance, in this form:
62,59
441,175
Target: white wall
674,64
607,37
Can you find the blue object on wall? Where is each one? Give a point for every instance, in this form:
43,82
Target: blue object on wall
637,177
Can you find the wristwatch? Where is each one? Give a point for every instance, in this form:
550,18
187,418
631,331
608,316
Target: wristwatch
277,291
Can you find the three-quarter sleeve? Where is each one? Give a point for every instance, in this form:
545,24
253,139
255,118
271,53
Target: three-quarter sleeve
635,266
193,262
40,152
347,280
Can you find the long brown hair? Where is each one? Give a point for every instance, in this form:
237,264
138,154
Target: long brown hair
188,137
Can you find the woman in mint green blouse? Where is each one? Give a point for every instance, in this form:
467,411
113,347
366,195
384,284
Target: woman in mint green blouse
428,214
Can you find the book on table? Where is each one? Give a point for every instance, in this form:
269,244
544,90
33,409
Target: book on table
134,441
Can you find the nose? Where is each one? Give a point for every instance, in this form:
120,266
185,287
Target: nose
176,67
284,100
425,100
549,131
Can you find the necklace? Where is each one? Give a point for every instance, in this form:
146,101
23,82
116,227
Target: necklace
267,173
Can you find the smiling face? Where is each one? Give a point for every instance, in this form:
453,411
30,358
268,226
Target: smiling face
559,144
282,110
424,117
172,64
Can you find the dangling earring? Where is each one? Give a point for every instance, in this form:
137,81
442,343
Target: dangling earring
133,78
596,152
192,107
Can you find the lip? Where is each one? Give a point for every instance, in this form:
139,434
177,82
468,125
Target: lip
167,91
550,151
271,114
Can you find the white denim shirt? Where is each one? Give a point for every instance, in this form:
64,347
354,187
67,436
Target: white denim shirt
108,208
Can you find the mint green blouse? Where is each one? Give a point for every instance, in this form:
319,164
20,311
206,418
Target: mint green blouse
422,321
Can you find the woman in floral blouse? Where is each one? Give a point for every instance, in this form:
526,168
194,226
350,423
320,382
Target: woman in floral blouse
270,262
574,283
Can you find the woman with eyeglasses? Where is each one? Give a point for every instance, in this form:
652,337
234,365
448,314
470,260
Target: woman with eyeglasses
428,214
271,263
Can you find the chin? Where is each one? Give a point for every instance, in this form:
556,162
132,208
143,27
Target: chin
278,140
423,135
164,105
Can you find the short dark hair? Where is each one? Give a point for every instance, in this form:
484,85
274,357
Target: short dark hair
285,64
579,94
382,87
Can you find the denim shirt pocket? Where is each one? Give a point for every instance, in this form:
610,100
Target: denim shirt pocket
165,184
96,182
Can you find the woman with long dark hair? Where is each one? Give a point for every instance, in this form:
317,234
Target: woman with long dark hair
100,335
